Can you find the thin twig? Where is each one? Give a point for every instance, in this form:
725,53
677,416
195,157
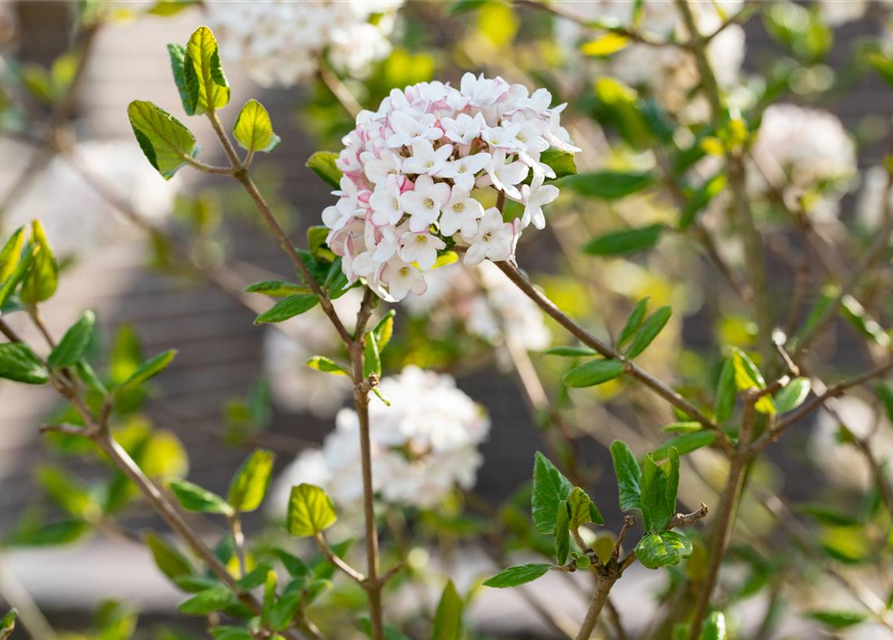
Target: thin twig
330,555
605,350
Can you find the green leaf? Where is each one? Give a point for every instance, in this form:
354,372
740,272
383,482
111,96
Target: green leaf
519,574
172,563
748,377
626,241
582,509
390,633
207,601
465,6
683,427
74,343
570,352
793,395
195,498
310,510
326,365
289,307
149,369
605,45
562,533
608,185
725,391
384,330
663,549
659,485
649,331
276,288
859,317
448,619
43,277
254,129
633,322
165,141
206,83
885,393
372,358
231,633
250,484
550,487
20,364
561,162
256,577
177,53
322,163
827,515
593,373
629,476
838,619
8,623
714,627
685,443
21,271
11,253
700,198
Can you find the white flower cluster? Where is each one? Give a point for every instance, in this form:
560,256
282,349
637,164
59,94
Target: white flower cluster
279,42
411,170
76,217
836,13
486,302
423,445
809,151
842,462
667,72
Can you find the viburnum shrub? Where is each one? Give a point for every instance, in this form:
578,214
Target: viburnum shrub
417,274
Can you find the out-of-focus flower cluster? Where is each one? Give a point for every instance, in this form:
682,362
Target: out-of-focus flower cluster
669,73
487,304
423,445
412,167
806,151
77,218
837,12
280,42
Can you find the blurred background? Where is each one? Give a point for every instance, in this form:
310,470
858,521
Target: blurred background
233,385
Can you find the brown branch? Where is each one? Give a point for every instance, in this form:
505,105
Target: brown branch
330,555
816,402
605,350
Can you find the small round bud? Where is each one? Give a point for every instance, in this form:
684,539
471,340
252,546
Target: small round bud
583,562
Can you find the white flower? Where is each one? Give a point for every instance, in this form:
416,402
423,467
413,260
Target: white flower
495,239
379,168
461,214
424,202
402,278
417,164
505,176
425,159
534,197
421,248
423,446
408,129
280,42
386,203
463,129
463,170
